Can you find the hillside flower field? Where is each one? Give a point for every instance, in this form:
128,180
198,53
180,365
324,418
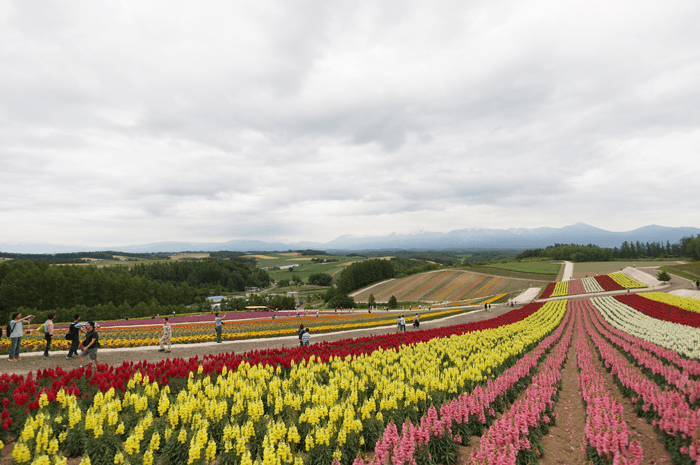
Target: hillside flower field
406,398
608,282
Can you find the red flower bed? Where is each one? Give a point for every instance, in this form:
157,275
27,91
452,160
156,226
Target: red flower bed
21,394
608,284
548,291
661,310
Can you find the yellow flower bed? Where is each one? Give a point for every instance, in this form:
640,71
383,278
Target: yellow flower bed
494,298
686,303
625,281
561,289
333,405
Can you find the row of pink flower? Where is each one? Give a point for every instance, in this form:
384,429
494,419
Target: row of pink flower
401,449
643,358
606,430
675,417
576,287
692,367
508,435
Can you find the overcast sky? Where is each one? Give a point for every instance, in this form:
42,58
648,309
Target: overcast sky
132,122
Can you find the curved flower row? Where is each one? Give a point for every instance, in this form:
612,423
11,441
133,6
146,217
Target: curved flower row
607,283
548,290
607,434
665,373
576,287
666,409
561,289
591,285
692,367
328,410
686,303
625,281
680,338
661,310
464,416
516,430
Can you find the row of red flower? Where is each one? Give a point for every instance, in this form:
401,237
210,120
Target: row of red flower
576,286
661,310
665,408
20,394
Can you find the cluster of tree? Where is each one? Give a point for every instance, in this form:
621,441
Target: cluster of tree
323,260
79,257
229,275
569,252
37,286
321,279
361,274
335,298
686,247
307,252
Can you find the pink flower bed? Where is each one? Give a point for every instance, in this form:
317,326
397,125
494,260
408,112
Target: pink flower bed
666,409
606,431
576,287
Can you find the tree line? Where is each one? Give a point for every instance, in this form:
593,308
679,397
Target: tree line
686,247
117,292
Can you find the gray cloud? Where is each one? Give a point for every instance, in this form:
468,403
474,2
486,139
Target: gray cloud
135,122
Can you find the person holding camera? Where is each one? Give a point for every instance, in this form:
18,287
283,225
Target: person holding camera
90,345
16,333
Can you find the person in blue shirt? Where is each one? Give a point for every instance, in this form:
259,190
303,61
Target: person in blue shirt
218,326
16,333
306,337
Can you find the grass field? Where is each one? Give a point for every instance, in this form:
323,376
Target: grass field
445,285
305,268
689,270
529,267
511,273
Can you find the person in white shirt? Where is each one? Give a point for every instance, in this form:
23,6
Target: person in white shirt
167,336
48,334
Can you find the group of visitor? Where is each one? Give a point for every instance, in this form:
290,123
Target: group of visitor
401,323
90,344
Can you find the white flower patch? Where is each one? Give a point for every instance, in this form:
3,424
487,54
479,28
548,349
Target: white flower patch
683,339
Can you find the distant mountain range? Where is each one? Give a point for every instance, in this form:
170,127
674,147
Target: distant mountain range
459,239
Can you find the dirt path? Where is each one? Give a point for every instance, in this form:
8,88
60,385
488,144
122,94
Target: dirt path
36,361
568,271
565,441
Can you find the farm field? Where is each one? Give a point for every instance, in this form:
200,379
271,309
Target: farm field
530,378
444,285
543,278
305,268
688,270
591,268
529,267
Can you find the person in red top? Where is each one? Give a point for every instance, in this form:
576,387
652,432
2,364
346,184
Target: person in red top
48,334
167,336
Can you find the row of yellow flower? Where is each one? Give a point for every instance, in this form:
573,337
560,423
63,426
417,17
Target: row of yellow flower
686,303
494,298
261,415
561,289
625,281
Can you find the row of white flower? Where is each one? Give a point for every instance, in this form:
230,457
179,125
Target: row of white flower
683,339
591,285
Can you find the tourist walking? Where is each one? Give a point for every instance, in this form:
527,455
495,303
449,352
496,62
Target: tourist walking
48,334
218,326
416,322
73,336
16,333
90,345
306,337
402,322
301,335
167,336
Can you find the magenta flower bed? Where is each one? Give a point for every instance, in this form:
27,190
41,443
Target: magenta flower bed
204,318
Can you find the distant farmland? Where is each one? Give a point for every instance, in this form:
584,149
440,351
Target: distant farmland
447,285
